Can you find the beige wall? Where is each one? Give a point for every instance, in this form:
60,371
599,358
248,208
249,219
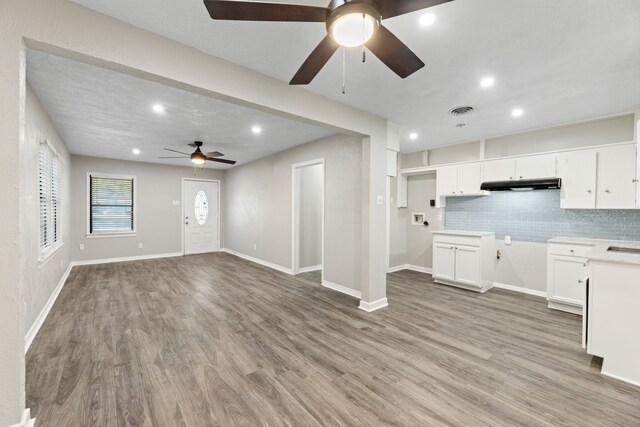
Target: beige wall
258,206
413,244
159,222
598,132
310,226
41,279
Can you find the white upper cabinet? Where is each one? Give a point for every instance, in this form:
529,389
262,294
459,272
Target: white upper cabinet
578,173
528,167
459,180
469,178
602,178
536,167
447,180
499,170
616,178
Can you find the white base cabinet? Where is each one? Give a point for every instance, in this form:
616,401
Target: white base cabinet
566,270
464,259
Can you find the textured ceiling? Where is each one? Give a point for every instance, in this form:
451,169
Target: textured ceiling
559,61
104,113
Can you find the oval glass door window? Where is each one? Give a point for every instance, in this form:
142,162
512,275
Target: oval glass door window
202,207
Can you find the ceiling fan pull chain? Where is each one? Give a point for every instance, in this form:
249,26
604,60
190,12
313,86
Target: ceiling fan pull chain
344,70
364,55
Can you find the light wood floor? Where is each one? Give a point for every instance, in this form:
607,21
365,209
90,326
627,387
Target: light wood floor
215,340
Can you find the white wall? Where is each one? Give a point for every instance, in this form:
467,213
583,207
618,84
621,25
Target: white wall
413,244
310,197
159,222
258,207
41,279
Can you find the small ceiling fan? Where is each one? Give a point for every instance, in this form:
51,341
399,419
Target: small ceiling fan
198,157
349,23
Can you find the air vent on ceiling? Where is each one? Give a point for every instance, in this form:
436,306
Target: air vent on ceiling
461,111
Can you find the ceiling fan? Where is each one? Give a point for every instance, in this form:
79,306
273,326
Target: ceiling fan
349,23
198,157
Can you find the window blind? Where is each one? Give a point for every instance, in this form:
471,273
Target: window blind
49,189
111,204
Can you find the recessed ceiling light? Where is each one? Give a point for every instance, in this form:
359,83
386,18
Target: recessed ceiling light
256,129
413,136
158,108
427,19
135,151
517,112
487,82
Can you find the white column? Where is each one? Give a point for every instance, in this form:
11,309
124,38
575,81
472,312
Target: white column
12,106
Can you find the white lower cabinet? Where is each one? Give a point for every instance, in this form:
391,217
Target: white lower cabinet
464,259
566,270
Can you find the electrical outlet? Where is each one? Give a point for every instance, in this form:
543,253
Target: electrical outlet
139,245
255,247
176,203
507,240
440,218
379,200
81,246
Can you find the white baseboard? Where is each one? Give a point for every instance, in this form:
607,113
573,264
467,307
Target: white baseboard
373,306
259,261
618,377
37,324
26,420
126,258
520,289
309,269
343,289
411,267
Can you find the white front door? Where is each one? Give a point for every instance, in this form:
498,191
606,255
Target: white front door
200,201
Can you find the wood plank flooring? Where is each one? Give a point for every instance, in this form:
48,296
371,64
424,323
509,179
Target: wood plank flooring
213,340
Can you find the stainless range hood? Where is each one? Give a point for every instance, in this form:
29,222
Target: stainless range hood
523,185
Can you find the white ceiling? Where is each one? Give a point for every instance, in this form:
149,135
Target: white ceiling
103,113
559,61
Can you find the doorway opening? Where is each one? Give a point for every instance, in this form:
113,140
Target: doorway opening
308,219
201,216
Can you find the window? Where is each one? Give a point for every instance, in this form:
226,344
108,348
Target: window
49,190
201,207
111,209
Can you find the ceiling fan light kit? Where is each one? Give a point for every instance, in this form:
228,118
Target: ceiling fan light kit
350,23
198,158
353,24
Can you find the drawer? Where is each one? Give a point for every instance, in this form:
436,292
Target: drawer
456,240
569,249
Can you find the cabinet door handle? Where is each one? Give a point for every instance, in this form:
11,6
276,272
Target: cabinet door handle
580,281
589,191
520,176
607,191
571,250
634,181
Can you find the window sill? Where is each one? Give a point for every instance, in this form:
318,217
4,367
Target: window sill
48,254
107,235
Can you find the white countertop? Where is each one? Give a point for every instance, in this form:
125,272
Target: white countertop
599,251
464,233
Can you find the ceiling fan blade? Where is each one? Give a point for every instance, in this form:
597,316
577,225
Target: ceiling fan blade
214,154
179,152
314,63
252,11
393,53
229,162
391,8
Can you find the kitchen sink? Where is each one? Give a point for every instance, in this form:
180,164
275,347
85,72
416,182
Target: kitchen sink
624,250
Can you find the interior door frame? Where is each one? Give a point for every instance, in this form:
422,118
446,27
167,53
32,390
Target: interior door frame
182,224
295,214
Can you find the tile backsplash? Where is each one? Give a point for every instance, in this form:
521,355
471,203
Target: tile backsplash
535,216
